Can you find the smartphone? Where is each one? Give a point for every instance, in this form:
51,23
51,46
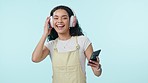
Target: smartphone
94,55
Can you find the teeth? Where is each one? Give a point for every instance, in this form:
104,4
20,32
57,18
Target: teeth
60,25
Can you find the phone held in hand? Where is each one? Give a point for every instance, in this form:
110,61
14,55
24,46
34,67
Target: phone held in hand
94,55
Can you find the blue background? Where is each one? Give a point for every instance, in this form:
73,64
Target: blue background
118,27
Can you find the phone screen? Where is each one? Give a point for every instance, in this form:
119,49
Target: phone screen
94,55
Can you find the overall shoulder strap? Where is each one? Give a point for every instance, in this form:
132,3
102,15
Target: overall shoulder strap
77,45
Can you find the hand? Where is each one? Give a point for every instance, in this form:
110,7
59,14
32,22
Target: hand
94,64
47,30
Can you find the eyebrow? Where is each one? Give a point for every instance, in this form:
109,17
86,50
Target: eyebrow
62,16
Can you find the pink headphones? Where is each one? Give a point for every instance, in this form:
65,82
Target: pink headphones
73,21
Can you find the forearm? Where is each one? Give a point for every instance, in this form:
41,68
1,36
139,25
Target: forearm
38,52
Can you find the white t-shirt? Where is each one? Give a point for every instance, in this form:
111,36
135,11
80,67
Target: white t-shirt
68,45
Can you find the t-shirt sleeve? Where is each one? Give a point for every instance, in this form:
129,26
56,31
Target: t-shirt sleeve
84,42
87,42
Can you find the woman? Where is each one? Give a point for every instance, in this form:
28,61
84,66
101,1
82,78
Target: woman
67,46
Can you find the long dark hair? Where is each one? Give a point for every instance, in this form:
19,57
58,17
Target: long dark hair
74,31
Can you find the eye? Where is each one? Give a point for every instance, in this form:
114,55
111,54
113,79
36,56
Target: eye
64,18
55,18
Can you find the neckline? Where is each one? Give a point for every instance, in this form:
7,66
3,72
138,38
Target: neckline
77,45
76,48
65,40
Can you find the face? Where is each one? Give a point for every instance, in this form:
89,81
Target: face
61,21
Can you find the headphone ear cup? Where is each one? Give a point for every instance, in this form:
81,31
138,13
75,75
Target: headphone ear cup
73,21
51,21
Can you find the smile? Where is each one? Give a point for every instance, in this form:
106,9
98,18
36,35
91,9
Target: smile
60,26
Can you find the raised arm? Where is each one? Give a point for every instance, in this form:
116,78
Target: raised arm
40,52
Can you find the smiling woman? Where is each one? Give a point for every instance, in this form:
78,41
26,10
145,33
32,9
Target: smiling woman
67,47
60,21
68,16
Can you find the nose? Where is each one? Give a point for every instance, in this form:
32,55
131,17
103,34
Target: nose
59,20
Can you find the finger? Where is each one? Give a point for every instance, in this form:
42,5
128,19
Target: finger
48,17
92,65
94,62
98,59
48,21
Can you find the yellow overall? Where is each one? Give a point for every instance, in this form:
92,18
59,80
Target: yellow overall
66,66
